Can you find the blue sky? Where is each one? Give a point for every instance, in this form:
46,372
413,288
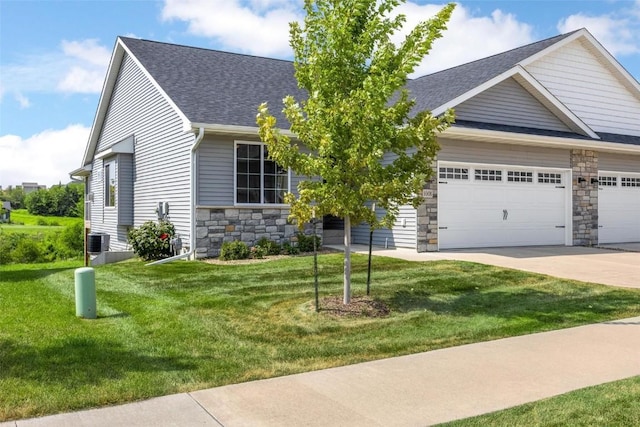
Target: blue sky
54,54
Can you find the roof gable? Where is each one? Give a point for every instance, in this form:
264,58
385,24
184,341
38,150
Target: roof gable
215,87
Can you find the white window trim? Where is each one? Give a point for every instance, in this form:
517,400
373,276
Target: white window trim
235,177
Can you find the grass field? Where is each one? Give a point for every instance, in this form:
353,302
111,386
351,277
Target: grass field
20,218
190,325
615,404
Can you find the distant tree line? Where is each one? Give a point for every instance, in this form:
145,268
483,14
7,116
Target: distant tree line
59,200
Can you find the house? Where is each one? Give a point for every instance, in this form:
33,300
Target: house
5,212
545,149
30,187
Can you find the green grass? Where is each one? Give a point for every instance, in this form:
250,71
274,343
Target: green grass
190,325
613,404
22,218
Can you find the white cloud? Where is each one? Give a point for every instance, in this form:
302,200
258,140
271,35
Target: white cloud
23,101
468,37
619,31
76,67
46,158
262,28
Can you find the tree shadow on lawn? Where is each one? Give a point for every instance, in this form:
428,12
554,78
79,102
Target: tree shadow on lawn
78,361
524,303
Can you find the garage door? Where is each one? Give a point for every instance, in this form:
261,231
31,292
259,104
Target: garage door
489,206
618,207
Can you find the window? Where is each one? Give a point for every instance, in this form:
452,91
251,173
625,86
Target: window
488,175
629,182
608,181
259,180
454,173
549,178
110,183
519,176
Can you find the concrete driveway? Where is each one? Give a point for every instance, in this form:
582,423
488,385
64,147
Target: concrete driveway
616,265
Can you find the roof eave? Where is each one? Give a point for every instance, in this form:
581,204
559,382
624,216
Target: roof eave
516,138
234,130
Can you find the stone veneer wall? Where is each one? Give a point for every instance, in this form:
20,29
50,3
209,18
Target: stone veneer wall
584,164
427,217
215,226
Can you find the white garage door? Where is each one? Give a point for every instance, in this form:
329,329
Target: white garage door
489,206
618,207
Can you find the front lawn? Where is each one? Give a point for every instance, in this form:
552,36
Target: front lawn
190,325
612,404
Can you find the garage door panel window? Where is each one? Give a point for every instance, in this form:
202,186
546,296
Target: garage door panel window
519,176
549,178
608,181
488,175
626,181
454,173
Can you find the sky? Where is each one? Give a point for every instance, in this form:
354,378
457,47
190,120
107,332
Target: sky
54,54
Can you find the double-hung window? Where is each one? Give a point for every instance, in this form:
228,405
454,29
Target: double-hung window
259,180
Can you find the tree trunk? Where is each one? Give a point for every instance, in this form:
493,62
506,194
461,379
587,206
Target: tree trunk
347,260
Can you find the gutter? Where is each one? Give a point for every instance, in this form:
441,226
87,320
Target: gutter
192,208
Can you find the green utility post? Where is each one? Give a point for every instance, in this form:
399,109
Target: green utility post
85,293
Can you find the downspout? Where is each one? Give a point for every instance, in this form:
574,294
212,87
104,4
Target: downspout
192,210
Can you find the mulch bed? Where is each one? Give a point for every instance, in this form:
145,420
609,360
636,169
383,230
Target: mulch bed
361,306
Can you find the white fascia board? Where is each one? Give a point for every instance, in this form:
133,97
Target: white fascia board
234,129
501,137
83,171
183,117
535,88
546,98
103,103
594,46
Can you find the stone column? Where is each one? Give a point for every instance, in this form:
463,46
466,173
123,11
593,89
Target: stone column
584,165
427,217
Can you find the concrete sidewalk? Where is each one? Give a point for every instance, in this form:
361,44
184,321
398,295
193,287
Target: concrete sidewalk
415,390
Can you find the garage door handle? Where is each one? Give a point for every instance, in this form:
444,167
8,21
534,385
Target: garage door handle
443,228
442,182
560,226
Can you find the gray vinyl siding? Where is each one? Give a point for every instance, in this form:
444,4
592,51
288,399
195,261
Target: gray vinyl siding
402,234
160,167
125,189
508,103
216,181
502,154
618,162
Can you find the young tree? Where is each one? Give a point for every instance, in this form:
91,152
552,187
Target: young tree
357,112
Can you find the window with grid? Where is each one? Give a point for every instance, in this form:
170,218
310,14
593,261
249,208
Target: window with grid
549,178
109,176
488,175
519,176
626,181
454,173
259,180
608,181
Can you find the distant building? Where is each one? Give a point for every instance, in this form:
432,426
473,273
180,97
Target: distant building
29,187
5,212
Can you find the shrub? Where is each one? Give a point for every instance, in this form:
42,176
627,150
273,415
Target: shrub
305,243
271,247
257,252
28,251
152,241
289,249
234,250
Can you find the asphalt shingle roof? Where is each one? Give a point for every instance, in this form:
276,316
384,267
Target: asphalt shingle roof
216,87
434,90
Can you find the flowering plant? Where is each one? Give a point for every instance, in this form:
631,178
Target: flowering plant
152,240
